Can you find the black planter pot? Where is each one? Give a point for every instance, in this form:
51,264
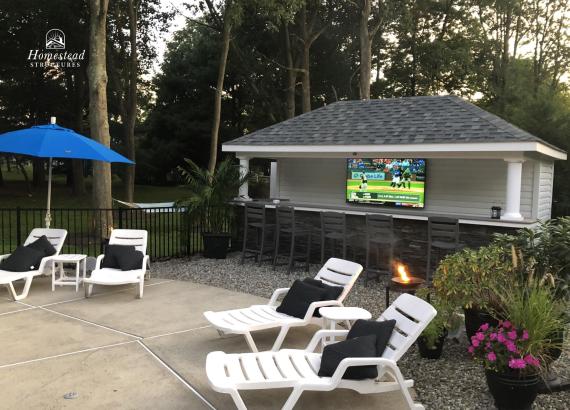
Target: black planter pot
512,392
428,353
216,245
474,318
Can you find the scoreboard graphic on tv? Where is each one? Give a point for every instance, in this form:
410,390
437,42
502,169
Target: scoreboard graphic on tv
386,181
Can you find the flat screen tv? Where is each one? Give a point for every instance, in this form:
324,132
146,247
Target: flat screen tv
386,181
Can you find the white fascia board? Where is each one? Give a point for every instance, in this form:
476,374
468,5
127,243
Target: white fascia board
403,148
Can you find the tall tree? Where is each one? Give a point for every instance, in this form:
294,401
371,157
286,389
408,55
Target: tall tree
98,114
368,30
131,110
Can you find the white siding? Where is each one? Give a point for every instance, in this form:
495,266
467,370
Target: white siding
545,180
465,187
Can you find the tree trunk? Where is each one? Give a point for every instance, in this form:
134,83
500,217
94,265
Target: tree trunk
291,73
77,164
129,180
25,174
219,90
98,115
365,51
39,172
306,63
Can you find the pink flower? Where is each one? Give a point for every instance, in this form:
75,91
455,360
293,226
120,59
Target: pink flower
475,343
507,324
491,356
501,338
471,349
512,334
484,327
492,336
524,335
531,360
488,345
480,336
517,363
510,346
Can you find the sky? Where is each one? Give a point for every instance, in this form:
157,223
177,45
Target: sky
176,24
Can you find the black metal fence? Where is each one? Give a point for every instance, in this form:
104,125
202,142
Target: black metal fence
171,232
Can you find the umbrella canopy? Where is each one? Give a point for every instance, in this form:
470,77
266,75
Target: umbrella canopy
52,141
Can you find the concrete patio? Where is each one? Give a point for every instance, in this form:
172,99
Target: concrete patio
115,351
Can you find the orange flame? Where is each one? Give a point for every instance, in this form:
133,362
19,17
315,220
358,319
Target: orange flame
403,273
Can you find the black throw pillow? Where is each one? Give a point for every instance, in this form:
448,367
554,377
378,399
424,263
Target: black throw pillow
111,252
129,259
382,331
331,292
43,245
334,353
299,297
23,259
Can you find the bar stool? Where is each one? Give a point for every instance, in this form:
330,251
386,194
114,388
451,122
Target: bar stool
256,221
443,239
292,230
380,239
333,231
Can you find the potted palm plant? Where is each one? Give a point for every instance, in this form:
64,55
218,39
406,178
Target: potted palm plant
209,202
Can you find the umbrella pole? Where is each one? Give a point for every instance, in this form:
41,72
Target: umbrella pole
48,213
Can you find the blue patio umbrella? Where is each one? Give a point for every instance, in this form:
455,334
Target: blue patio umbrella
52,141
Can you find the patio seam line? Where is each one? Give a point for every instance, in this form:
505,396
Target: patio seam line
86,321
40,359
177,332
176,374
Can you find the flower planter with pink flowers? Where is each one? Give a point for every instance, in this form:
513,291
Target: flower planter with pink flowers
511,370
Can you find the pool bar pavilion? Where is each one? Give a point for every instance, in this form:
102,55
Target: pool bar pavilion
474,162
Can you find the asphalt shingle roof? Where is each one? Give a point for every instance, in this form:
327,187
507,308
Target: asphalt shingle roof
408,120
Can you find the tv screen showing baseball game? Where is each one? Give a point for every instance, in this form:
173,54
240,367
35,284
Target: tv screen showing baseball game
386,181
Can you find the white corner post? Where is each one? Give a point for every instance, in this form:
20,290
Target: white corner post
244,170
514,183
274,180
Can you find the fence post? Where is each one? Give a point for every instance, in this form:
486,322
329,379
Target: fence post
18,223
188,233
120,218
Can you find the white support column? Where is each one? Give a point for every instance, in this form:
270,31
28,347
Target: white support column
274,180
244,170
514,183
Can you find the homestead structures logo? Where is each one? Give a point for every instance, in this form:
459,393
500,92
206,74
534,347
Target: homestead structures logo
54,55
55,39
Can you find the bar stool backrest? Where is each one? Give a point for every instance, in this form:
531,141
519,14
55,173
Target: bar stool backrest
382,225
333,222
443,229
254,213
285,216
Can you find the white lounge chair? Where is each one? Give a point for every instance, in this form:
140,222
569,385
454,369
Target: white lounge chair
336,272
56,238
298,369
113,277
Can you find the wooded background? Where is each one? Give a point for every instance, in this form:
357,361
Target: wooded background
240,65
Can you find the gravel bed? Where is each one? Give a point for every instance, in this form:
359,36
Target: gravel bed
452,382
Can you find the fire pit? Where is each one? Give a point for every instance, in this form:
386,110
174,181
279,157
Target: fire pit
403,282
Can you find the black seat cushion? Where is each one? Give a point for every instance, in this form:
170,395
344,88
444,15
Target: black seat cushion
129,259
331,292
334,353
43,245
299,297
381,330
110,259
23,259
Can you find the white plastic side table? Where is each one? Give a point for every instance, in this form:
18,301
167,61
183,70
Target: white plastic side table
334,314
59,261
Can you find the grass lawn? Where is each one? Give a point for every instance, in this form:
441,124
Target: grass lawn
14,193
